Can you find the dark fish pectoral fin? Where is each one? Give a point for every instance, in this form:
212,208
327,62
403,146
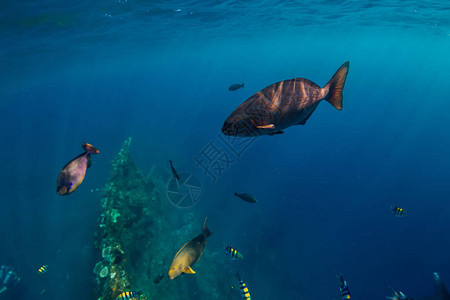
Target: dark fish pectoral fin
277,132
336,85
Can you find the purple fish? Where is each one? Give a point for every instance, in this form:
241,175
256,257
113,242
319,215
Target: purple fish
283,104
72,175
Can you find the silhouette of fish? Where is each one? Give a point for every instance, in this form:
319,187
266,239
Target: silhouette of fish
189,254
246,197
73,173
235,86
174,172
158,278
283,104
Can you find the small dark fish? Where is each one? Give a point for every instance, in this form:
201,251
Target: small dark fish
42,270
343,287
233,253
398,211
235,86
174,172
73,173
158,278
245,294
128,295
246,197
189,254
283,104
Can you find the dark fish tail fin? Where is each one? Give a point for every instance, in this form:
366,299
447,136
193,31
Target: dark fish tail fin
89,148
242,84
236,194
336,85
206,230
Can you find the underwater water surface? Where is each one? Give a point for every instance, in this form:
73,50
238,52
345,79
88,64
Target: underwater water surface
159,72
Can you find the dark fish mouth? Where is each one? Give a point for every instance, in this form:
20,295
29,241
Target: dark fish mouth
230,129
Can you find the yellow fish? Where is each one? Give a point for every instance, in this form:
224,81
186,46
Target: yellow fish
189,254
42,270
128,295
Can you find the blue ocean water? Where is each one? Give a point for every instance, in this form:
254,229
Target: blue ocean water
159,71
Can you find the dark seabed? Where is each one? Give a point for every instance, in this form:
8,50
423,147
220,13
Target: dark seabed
159,71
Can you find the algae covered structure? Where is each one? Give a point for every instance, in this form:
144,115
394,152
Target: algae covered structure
138,232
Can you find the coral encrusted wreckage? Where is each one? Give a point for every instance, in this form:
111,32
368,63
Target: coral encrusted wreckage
138,234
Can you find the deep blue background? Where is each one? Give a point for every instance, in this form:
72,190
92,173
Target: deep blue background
324,189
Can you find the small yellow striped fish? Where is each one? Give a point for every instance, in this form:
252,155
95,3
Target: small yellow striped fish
398,211
128,295
233,253
245,294
343,287
42,270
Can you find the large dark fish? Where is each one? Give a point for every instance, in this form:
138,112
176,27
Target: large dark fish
72,175
189,254
247,197
235,86
283,104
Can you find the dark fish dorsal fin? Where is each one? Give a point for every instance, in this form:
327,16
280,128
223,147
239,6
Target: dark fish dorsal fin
303,122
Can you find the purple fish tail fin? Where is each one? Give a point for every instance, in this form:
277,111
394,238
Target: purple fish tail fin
336,85
89,148
206,230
